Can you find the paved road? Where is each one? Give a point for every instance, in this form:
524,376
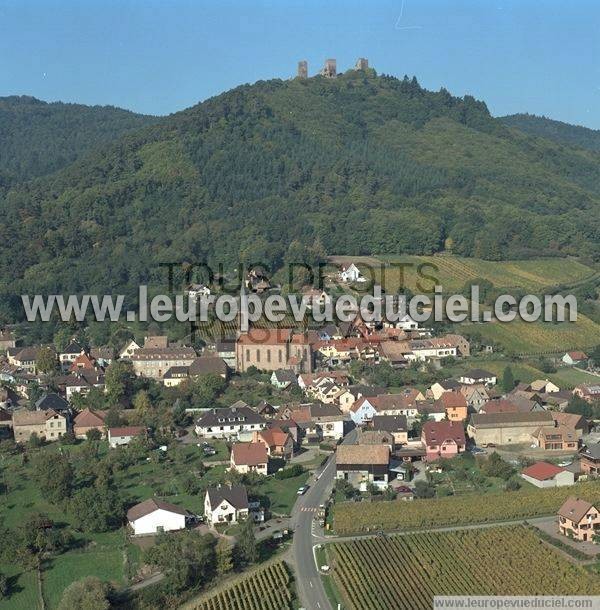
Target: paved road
307,534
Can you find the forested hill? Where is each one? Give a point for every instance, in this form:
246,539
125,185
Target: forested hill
38,138
284,169
573,135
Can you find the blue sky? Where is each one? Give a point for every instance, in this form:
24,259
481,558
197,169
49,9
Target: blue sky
540,56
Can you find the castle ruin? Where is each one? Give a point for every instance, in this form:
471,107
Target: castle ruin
329,69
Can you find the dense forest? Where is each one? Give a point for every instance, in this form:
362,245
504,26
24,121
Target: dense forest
279,170
572,135
39,138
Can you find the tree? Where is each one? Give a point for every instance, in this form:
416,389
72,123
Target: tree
224,552
89,593
118,381
595,355
424,489
141,402
246,548
35,442
54,477
187,558
508,379
97,509
93,434
46,360
495,466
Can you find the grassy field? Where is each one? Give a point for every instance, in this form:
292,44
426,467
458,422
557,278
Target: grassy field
357,517
453,272
406,572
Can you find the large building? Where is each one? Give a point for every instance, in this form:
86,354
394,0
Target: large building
273,349
48,425
506,428
154,362
233,421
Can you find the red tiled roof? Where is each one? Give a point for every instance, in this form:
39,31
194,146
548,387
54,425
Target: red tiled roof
249,454
274,437
452,400
437,432
542,471
126,431
88,418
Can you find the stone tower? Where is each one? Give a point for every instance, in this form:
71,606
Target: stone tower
329,69
362,64
303,69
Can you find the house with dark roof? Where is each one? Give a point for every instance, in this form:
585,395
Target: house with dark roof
443,439
578,519
556,437
544,474
475,376
230,422
68,355
396,425
55,402
225,504
282,379
153,516
590,459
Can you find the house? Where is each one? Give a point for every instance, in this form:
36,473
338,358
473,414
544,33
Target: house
574,358
543,474
82,362
396,425
350,394
363,465
395,352
556,438
175,376
25,357
48,425
265,409
443,439
208,365
249,457
506,428
478,376
328,421
89,419
578,519
55,402
81,382
225,504
69,354
571,420
272,349
455,406
351,273
308,380
439,387
590,459
588,392
102,355
156,342
7,339
195,292
232,421
154,362
153,516
434,410
375,437
124,435
504,405
475,395
128,350
282,379
543,386
225,349
277,442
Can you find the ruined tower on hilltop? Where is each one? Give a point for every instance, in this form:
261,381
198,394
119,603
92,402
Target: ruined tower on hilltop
303,69
329,69
362,64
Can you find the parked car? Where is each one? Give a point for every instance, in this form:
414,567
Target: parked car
302,490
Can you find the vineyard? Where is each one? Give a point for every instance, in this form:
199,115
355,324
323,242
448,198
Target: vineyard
453,272
267,588
406,572
357,517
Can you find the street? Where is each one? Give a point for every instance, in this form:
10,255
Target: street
307,533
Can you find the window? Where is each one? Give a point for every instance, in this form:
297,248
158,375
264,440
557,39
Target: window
268,355
247,354
257,355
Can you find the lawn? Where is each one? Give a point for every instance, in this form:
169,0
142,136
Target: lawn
24,589
282,492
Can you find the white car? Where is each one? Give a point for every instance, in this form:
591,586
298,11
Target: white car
302,490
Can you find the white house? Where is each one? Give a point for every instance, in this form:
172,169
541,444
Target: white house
544,474
225,504
124,435
351,273
573,358
232,421
153,516
129,350
69,354
362,411
197,291
477,376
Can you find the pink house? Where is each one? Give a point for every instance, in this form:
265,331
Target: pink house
442,439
